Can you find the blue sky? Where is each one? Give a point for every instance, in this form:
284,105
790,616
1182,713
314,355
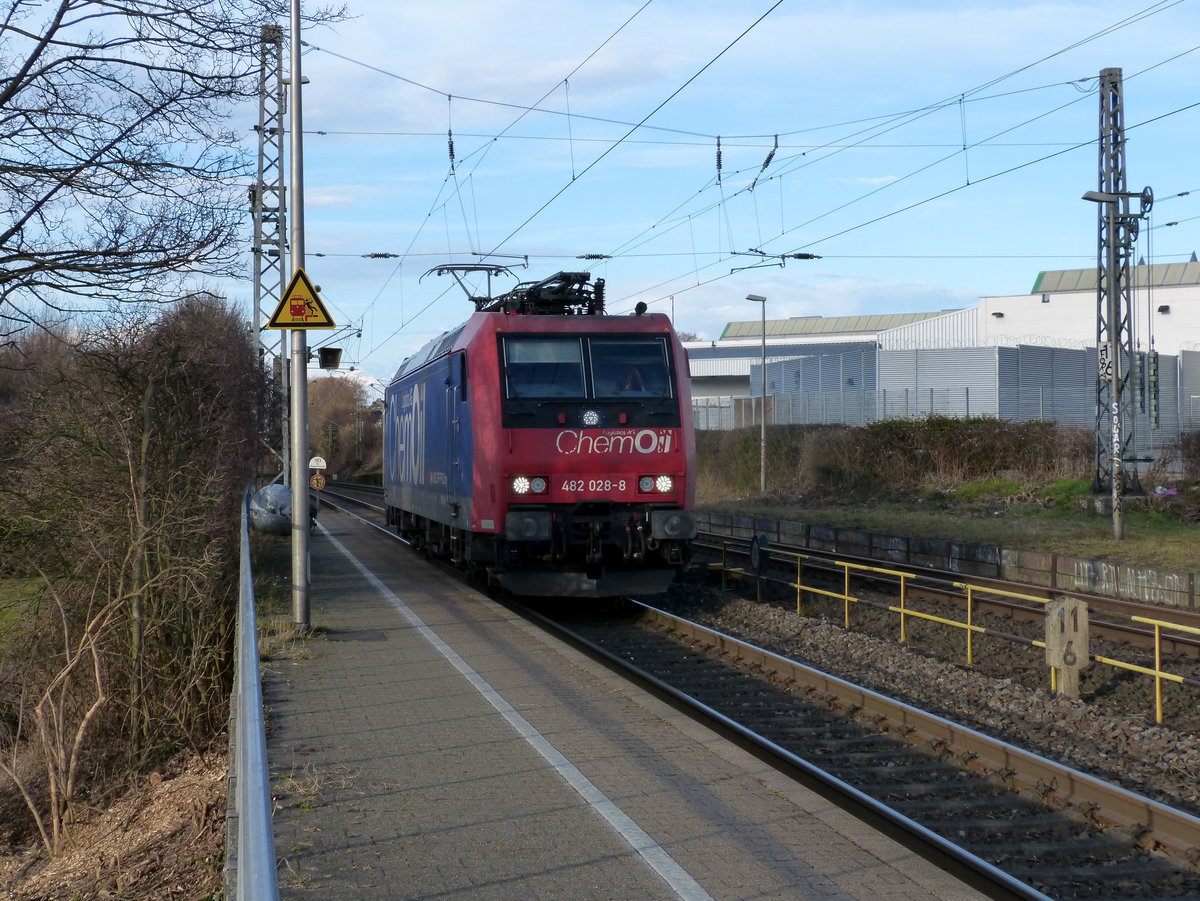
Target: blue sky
930,152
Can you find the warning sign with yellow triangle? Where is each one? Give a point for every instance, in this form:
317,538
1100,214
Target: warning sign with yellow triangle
300,307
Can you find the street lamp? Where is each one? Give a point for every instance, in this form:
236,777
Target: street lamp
762,441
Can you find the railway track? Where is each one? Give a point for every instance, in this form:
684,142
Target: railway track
1149,655
927,581
364,496
1025,826
1112,618
1153,650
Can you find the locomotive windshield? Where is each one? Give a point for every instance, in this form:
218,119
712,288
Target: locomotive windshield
543,367
623,366
603,368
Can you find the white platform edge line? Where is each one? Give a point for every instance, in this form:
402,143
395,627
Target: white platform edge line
662,862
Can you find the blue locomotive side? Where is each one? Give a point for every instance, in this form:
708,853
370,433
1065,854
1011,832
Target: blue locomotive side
428,428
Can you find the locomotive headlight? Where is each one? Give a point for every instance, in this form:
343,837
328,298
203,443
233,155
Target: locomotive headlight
656,484
529,485
590,418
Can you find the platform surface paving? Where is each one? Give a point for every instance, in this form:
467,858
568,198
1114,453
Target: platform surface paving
426,743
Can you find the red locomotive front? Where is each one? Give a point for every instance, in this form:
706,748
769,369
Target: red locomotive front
580,444
594,454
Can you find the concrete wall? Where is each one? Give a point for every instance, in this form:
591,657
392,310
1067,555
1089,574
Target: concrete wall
1130,583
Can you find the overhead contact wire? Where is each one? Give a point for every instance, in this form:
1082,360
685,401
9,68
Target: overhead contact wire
643,121
481,151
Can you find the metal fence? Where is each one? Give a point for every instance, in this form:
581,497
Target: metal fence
854,407
250,873
1021,384
858,407
850,407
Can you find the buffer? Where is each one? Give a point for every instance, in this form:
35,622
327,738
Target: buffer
300,307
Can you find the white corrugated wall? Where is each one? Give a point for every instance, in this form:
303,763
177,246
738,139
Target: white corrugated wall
959,328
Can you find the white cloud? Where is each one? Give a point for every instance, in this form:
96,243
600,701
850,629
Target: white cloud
655,202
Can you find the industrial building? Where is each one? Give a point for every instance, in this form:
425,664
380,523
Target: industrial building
1021,357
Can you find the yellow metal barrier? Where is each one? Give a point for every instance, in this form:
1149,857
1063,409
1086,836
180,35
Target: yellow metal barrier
1157,673
736,572
972,592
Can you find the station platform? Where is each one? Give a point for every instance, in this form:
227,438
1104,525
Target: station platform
427,743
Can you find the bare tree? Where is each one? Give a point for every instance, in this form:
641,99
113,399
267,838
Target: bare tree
341,425
68,689
119,168
179,425
122,495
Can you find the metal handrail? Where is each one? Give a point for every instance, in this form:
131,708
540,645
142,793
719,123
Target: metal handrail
256,878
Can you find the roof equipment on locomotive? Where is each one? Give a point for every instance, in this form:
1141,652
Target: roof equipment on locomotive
545,442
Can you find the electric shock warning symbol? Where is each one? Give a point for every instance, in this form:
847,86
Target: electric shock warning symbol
300,307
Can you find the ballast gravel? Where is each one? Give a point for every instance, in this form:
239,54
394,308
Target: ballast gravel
1129,749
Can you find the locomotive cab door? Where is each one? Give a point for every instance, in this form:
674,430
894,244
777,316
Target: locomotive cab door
457,476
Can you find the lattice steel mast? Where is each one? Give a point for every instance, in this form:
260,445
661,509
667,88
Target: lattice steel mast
1116,232
267,202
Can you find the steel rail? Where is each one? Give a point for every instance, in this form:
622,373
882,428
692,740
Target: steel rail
333,490
254,876
967,866
1175,830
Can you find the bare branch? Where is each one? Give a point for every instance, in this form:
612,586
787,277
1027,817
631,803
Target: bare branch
120,175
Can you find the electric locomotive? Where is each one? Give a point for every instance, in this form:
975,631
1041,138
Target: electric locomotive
547,443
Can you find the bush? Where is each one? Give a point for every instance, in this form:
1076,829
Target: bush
128,460
1189,455
894,455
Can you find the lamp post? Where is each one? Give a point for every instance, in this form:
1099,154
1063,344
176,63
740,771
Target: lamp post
762,441
301,521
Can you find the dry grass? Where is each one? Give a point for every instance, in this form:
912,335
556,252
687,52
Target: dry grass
1148,540
989,482
163,839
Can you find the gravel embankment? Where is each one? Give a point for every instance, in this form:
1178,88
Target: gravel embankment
1121,745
